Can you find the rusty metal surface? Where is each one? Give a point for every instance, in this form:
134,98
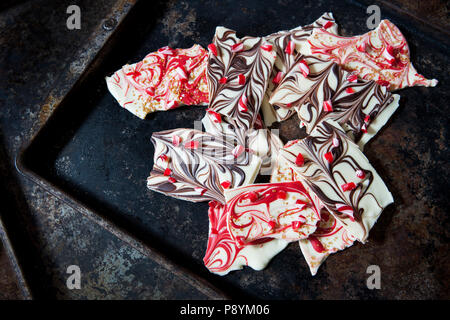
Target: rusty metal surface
410,241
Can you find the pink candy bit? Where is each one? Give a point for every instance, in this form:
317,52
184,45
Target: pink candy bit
200,190
328,156
348,186
335,142
267,47
383,83
352,78
327,24
281,194
349,90
327,106
182,75
176,140
243,103
303,65
237,47
272,224
301,204
164,158
238,150
361,47
290,48
360,174
241,79
240,240
167,51
167,172
212,48
150,91
388,54
217,117
300,161
343,208
172,104
172,179
367,119
226,184
223,80
364,128
253,196
278,77
191,145
316,244
297,224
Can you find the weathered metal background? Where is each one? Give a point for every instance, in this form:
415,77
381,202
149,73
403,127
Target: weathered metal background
101,154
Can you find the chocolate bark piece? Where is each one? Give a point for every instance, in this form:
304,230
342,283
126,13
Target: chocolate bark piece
329,93
224,255
237,80
197,166
333,168
164,79
382,55
286,59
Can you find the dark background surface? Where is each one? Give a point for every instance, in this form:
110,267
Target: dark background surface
410,241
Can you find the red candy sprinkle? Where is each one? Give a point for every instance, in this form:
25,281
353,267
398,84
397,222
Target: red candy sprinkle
150,91
278,77
253,196
367,119
191,145
343,208
226,184
167,172
316,244
173,180
272,224
349,90
172,104
243,103
383,83
388,53
299,160
327,25
282,194
237,151
361,47
348,186
217,117
176,140
241,79
212,48
327,106
237,47
201,191
299,223
164,157
328,156
352,78
364,128
303,65
290,48
360,174
267,47
223,80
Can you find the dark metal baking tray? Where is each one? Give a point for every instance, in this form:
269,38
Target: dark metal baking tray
96,156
